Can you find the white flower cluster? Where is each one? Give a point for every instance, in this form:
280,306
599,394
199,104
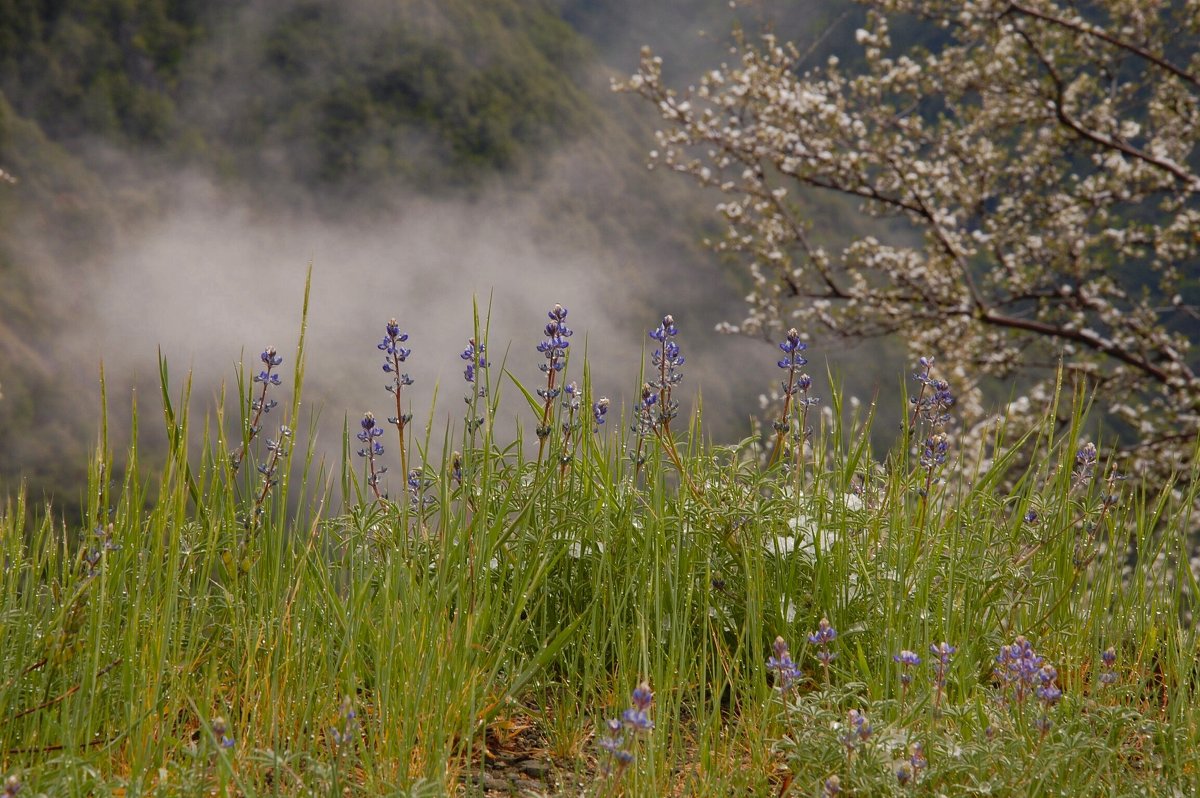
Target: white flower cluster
1042,162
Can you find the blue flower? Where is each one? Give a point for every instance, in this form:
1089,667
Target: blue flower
1018,668
219,732
599,411
792,346
370,431
907,659
786,671
476,356
635,719
555,345
824,635
942,652
271,359
1108,659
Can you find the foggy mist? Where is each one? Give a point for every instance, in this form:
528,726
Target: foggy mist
214,273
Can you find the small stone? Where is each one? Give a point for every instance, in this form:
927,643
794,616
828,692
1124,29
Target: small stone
495,783
534,768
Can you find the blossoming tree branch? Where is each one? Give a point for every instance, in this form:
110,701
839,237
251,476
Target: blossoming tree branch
1042,160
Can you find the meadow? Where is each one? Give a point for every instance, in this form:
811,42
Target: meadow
605,603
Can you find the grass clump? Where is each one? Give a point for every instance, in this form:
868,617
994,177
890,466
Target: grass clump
620,609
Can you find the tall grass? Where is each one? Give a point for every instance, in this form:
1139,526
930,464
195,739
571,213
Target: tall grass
218,629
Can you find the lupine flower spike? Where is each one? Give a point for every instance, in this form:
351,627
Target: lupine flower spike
907,660
856,732
344,731
394,355
824,635
599,413
787,673
643,424
260,404
369,436
930,405
622,733
277,449
219,731
658,407
554,349
942,652
1108,659
667,360
796,383
571,402
476,357
917,759
1048,694
932,401
1018,669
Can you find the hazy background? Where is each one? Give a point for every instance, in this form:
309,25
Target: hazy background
181,164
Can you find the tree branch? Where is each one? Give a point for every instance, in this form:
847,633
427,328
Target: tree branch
1091,30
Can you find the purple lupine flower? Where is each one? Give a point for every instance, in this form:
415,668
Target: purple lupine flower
796,383
417,485
370,431
599,411
792,346
1085,463
219,731
1048,692
942,652
858,730
643,412
571,401
821,638
270,358
933,400
259,404
933,453
12,786
369,435
917,758
667,360
904,773
394,353
554,348
476,356
786,671
907,660
344,731
1017,669
1108,659
832,785
824,635
636,719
